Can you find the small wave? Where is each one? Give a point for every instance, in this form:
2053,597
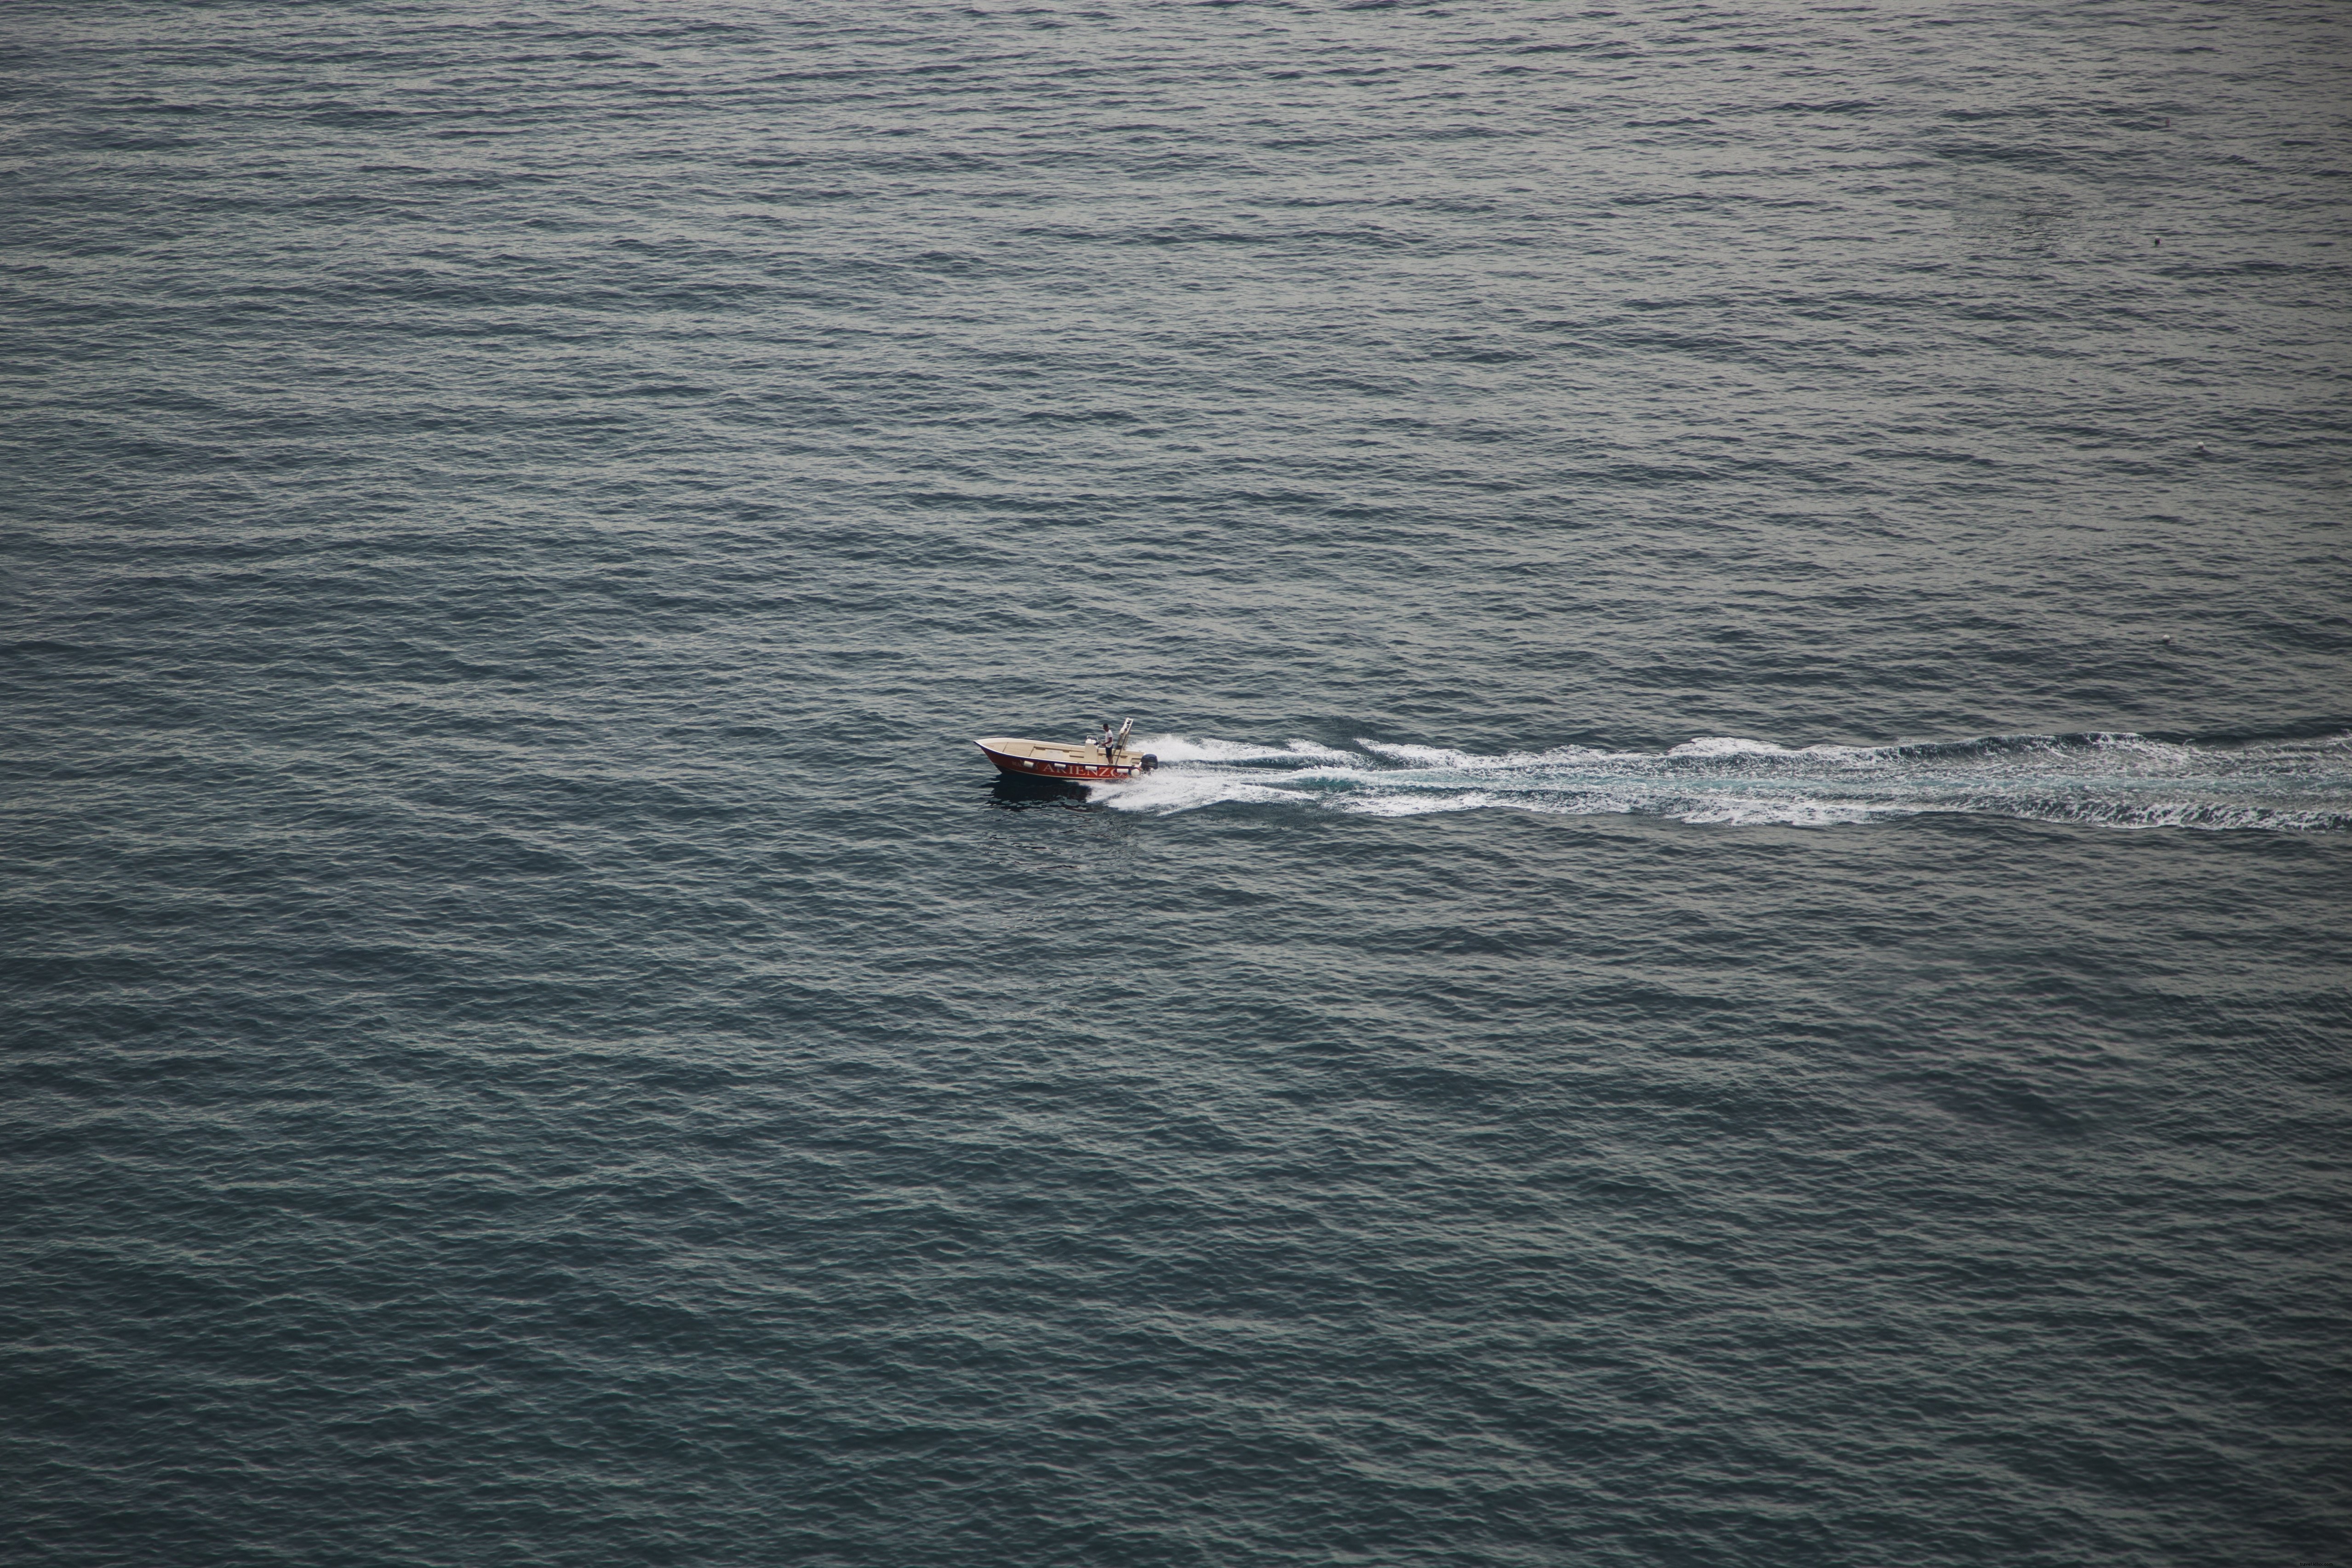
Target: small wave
2102,779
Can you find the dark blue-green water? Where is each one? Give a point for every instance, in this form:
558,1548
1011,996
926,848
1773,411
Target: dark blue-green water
1739,956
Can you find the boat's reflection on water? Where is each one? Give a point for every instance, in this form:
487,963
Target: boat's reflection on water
1015,792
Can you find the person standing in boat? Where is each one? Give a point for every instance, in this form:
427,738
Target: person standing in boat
1109,742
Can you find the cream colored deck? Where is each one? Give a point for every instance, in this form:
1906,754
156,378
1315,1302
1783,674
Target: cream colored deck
1055,752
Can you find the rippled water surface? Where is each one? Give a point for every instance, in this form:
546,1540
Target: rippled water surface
1736,956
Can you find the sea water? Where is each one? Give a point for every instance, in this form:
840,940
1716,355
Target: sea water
1736,954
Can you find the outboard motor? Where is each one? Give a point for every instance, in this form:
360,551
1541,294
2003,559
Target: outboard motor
1150,763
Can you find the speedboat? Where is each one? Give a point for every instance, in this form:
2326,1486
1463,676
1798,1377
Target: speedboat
1106,759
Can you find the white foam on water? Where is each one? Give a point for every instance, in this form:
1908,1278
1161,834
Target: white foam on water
1418,805
1424,756
1729,746
2105,780
1172,789
1186,749
1800,811
1445,757
1712,746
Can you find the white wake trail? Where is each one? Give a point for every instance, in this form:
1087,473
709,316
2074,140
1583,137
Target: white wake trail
2108,780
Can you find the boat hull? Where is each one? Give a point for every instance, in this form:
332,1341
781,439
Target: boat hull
1051,760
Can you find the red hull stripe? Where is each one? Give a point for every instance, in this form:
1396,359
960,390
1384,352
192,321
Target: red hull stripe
1031,768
